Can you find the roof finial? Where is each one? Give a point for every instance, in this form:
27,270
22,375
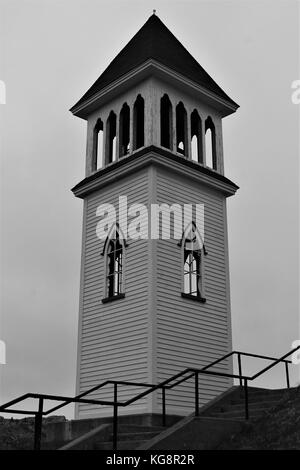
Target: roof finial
154,12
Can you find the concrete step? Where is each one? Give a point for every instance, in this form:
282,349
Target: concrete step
135,436
123,428
122,445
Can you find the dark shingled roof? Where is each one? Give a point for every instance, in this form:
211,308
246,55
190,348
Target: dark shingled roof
155,41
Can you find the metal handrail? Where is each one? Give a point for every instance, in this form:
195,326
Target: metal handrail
167,384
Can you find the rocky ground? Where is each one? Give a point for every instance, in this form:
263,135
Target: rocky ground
18,434
278,429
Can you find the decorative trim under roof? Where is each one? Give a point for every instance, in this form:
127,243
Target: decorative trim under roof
153,155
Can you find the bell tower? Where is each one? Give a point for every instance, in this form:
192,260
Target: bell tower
154,295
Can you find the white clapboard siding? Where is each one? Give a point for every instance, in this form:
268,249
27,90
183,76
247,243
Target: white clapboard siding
190,333
114,336
154,333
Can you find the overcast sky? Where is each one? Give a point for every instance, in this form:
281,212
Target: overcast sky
51,52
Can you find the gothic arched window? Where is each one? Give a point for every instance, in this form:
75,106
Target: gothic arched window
138,123
196,135
97,161
111,138
210,144
181,129
124,132
114,264
193,263
166,122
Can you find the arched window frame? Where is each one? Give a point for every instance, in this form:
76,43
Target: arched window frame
198,251
181,129
125,146
114,279
96,157
166,122
196,131
138,123
111,138
209,125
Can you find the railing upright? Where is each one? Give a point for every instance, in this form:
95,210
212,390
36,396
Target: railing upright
246,399
115,417
38,423
196,394
240,368
163,393
287,374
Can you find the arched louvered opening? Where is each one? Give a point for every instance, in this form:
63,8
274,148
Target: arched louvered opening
166,122
138,123
181,129
97,161
124,130
111,129
210,144
196,136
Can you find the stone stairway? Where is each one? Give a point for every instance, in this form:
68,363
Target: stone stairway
224,416
133,432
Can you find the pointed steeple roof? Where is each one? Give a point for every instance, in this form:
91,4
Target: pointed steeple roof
155,41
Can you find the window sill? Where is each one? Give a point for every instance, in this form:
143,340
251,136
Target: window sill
112,298
198,298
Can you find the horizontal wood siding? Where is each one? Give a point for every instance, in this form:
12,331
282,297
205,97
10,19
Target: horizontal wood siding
114,336
189,333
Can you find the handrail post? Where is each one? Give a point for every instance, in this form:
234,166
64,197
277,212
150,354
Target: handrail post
38,422
163,391
240,368
115,418
246,399
196,394
287,374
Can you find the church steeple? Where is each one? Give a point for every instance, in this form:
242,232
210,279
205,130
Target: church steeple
152,305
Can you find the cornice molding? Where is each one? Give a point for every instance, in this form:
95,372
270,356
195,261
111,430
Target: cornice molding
158,157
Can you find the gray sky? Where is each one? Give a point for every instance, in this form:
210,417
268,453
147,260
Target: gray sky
52,51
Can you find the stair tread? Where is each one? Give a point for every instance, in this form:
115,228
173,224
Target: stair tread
139,428
136,436
230,414
122,445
